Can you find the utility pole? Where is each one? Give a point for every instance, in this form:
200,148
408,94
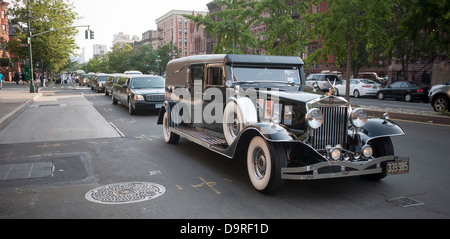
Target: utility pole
30,51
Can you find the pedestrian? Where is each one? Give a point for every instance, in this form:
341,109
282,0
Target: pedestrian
17,77
426,78
63,77
24,79
44,80
1,81
69,79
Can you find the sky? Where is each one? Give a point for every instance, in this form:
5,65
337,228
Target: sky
132,17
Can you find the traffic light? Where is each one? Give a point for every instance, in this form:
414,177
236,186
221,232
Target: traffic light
86,34
92,34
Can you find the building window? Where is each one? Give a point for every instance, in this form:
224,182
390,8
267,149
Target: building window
3,14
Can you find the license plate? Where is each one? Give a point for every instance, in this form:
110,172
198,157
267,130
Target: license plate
158,105
397,167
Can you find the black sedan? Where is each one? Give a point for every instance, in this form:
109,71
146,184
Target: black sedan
406,90
139,92
98,82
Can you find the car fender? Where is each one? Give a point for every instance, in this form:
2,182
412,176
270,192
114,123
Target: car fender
378,128
167,106
247,108
273,133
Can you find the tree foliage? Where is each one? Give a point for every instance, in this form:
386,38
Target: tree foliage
142,58
285,32
231,26
53,48
349,27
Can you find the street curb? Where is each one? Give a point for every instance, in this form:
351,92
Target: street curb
5,120
412,117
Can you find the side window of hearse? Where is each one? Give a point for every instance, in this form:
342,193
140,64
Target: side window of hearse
196,73
215,75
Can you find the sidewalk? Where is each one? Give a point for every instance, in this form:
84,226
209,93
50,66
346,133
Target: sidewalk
14,99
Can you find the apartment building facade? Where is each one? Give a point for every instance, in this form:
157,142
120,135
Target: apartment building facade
175,29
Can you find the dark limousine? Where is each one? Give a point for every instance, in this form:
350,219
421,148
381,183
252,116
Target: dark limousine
139,92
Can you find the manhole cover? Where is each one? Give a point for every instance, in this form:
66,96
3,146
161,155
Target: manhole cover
404,202
121,193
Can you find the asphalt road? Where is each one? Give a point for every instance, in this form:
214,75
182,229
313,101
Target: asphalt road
89,151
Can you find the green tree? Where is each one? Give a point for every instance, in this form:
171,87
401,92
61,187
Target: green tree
144,59
285,32
53,48
419,28
347,26
119,58
231,26
165,55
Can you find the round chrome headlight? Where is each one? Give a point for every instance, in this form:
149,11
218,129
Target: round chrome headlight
367,151
314,117
358,118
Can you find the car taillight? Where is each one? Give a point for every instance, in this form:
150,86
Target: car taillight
420,90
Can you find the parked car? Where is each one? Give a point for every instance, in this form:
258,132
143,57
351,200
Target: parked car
405,90
439,97
133,73
139,92
84,79
321,81
358,88
254,108
98,82
110,82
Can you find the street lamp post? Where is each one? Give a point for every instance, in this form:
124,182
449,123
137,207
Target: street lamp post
30,51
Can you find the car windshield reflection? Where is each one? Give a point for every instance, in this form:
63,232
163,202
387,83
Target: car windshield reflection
242,74
148,82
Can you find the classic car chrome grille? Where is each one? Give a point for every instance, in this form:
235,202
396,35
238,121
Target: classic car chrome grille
333,130
155,98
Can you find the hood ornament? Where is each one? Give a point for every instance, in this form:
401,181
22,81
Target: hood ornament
332,88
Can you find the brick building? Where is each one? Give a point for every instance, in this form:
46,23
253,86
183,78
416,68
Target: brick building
175,29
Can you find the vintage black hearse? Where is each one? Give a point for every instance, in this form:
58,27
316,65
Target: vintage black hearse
254,107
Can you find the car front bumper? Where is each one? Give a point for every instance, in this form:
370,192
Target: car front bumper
145,105
338,169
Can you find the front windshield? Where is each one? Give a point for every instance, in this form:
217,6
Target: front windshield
290,75
148,82
102,78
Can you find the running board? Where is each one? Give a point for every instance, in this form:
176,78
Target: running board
201,138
